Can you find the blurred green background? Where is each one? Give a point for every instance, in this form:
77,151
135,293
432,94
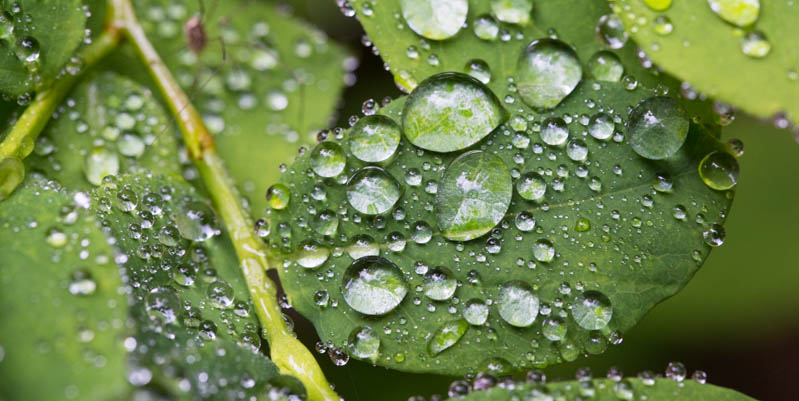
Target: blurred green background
738,319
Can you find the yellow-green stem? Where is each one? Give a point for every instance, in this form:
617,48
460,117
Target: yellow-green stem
288,353
19,141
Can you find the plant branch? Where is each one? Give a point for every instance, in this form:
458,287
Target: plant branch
288,353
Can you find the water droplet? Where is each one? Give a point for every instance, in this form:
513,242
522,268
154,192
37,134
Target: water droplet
512,11
548,71
543,251
439,284
605,66
278,196
364,343
657,128
446,336
196,221
371,190
220,294
479,69
517,304
28,49
658,5
362,246
131,145
755,44
676,371
435,19
475,312
737,12
715,235
81,283
327,159
373,286
554,329
326,223
577,150
611,31
592,310
486,27
311,255
601,126
719,171
554,131
374,138
525,221
473,196
449,112
100,163
663,25
163,305
531,186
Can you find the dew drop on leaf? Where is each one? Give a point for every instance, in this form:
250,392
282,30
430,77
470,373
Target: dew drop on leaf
605,66
478,69
473,196
517,304
512,11
754,44
601,126
439,284
531,186
554,131
449,112
364,343
373,286
100,163
447,335
312,255
435,19
278,196
737,12
327,159
714,235
657,128
475,312
548,71
543,251
371,190
374,138
592,310
719,171
196,221
554,329
658,5
81,283
611,31
486,27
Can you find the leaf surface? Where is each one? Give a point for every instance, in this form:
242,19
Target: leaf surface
44,35
607,390
265,82
709,52
64,320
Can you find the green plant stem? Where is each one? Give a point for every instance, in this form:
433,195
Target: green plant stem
288,353
19,141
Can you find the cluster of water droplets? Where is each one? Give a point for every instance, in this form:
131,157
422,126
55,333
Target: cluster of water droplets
16,35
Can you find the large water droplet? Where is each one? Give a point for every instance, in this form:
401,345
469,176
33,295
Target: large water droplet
605,66
512,11
517,304
439,284
373,286
371,190
374,138
364,343
657,127
548,71
592,310
449,112
446,336
327,159
473,195
736,12
435,19
719,170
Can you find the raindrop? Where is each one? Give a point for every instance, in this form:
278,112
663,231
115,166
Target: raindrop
374,138
555,131
311,255
657,128
373,286
554,329
737,12
605,66
278,196
676,371
371,190
475,312
81,283
435,19
446,336
473,196
479,69
719,171
195,221
754,44
364,343
592,310
601,126
548,71
512,11
715,235
611,31
543,251
486,27
450,111
658,5
100,163
439,284
531,186
517,304
220,294
327,159
663,25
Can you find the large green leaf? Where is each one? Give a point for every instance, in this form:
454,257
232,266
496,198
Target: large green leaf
692,42
598,228
609,390
37,39
265,82
195,330
64,318
107,125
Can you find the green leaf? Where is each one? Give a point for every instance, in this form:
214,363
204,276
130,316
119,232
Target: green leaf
195,329
63,320
37,39
692,42
108,125
563,273
608,390
265,82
